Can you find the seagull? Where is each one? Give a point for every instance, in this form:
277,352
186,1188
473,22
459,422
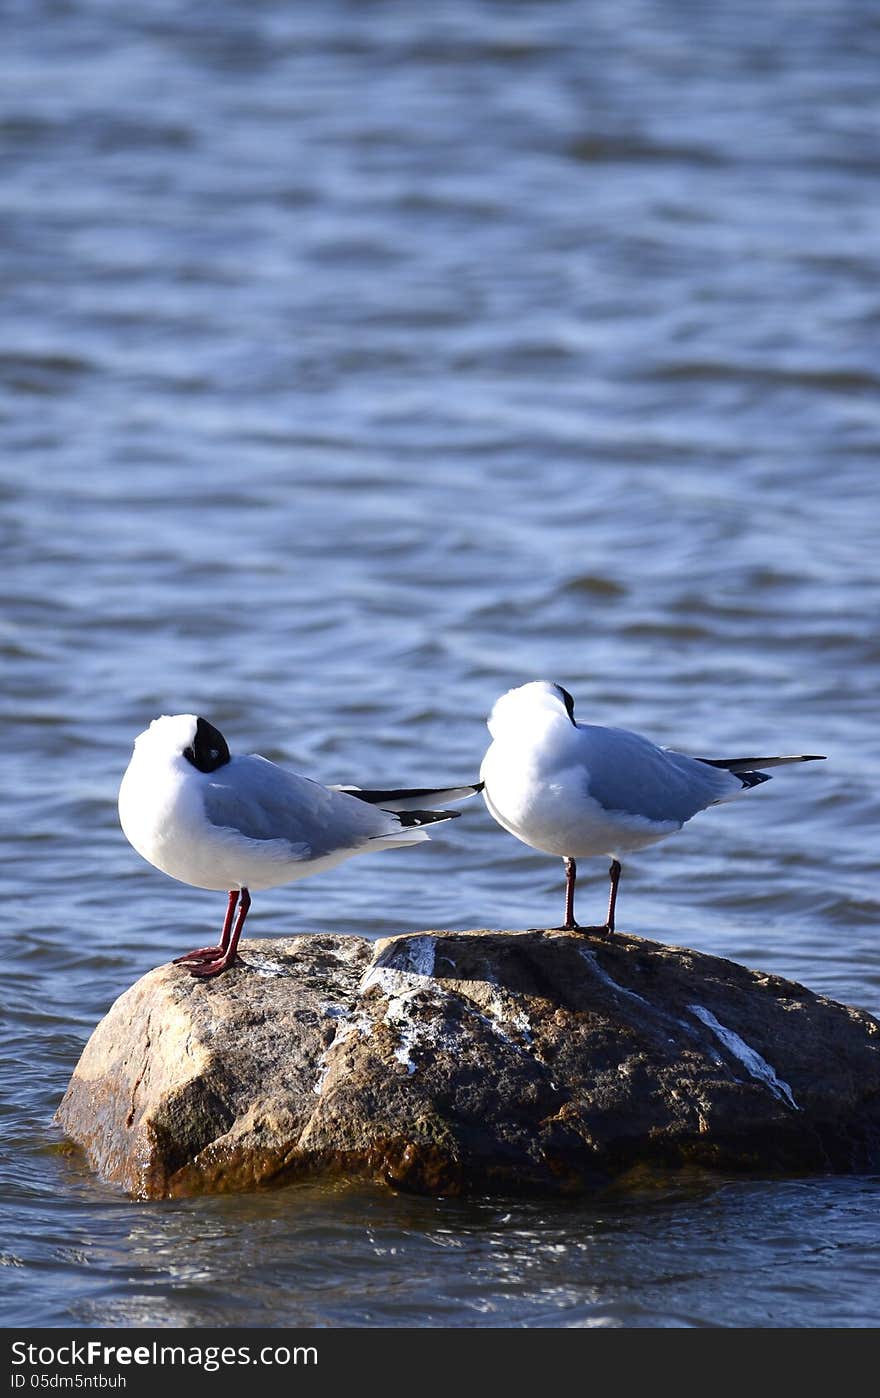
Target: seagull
229,823
575,789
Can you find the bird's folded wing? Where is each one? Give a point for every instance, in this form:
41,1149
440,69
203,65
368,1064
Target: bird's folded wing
628,773
260,801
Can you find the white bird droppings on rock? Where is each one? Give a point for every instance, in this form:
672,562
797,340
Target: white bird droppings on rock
408,977
751,1060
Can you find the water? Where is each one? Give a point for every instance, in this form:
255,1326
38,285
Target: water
358,363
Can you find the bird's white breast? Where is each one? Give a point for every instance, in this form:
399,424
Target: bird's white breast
161,814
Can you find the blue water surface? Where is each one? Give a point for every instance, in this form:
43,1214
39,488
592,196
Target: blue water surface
358,363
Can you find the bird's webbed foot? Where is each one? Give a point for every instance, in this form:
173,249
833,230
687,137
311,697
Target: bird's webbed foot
203,969
199,954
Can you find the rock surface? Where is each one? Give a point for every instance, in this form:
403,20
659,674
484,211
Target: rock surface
492,1061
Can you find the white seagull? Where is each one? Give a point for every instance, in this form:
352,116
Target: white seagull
236,823
574,789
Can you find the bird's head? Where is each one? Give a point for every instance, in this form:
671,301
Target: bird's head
540,701
184,735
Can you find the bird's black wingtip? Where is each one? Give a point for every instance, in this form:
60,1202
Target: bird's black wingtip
750,779
425,817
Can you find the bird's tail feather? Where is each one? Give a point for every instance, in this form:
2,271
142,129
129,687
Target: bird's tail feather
417,800
756,764
748,768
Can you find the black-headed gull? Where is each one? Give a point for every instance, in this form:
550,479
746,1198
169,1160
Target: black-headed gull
574,789
239,823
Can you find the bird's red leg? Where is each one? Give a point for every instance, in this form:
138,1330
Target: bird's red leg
211,953
223,962
614,871
570,925
570,878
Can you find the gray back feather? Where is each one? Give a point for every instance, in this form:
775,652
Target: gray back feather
261,801
626,772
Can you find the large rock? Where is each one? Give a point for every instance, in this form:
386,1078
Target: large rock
443,1062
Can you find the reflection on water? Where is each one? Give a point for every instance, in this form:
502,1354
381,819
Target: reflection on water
356,365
